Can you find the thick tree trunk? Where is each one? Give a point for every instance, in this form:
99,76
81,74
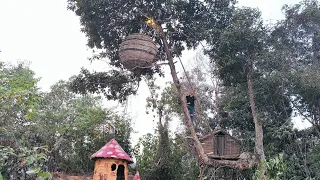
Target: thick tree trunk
316,51
316,66
182,99
240,164
259,151
217,100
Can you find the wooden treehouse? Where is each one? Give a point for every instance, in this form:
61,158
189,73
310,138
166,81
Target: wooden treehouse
111,162
219,144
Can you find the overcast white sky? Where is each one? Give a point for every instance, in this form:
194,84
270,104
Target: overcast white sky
45,33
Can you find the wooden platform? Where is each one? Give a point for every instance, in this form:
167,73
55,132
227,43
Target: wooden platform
225,157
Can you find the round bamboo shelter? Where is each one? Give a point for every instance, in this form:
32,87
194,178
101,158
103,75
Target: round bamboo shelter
137,51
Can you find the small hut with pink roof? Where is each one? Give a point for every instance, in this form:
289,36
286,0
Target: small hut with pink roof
137,176
111,162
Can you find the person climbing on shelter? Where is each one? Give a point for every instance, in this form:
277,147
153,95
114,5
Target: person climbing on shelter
190,104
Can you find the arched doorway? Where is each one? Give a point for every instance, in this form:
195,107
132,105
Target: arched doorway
120,172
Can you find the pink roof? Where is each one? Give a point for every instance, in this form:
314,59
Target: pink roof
112,150
137,176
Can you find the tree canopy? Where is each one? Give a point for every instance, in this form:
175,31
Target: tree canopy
106,23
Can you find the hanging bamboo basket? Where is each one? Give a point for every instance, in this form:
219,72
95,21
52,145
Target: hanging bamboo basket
137,51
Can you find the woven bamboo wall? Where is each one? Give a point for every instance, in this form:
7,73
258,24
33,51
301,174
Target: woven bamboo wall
208,145
102,169
232,145
137,51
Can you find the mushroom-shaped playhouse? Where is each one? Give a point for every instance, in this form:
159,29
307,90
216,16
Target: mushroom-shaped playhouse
111,162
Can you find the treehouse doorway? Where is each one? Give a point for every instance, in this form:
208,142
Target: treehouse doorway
220,144
120,173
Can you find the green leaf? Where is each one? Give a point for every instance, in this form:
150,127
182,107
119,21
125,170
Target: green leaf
44,175
41,156
22,155
30,160
33,171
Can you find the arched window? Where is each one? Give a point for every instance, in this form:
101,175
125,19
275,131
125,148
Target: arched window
113,167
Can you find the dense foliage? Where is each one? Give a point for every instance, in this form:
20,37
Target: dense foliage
52,131
106,23
172,160
296,41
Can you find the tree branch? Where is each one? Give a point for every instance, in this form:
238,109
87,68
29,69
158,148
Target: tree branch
240,164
